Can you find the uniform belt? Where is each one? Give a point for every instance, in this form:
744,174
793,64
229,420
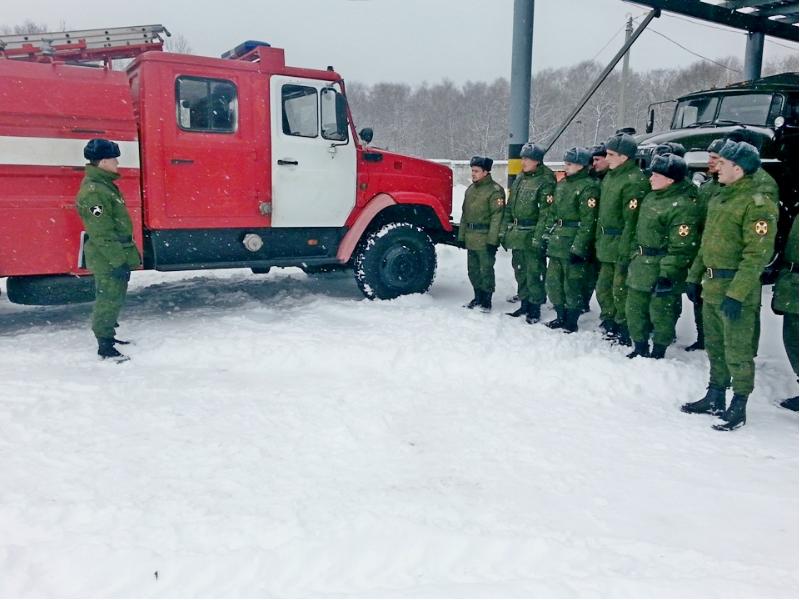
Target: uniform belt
645,251
563,223
478,226
720,273
122,239
523,222
610,230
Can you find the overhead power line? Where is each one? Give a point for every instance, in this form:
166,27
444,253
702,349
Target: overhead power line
692,51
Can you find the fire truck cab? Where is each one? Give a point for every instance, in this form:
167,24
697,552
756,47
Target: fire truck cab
238,161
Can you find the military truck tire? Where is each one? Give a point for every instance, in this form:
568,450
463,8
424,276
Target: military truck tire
397,259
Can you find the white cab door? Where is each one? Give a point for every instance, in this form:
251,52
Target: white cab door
313,154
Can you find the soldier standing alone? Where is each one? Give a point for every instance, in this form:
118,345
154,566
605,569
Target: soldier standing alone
737,244
110,251
479,229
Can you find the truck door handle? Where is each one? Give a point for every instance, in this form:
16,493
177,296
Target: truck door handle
287,162
181,161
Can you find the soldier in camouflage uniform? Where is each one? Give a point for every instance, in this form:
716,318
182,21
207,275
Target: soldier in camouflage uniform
737,244
597,171
479,230
620,194
708,189
110,251
666,242
529,193
572,220
784,302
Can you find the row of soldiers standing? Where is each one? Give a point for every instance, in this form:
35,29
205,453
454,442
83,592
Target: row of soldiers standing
639,243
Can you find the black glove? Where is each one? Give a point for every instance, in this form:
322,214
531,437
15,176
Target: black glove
693,292
663,286
731,308
121,273
491,247
769,275
576,259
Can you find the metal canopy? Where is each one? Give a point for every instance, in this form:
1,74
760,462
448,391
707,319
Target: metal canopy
776,18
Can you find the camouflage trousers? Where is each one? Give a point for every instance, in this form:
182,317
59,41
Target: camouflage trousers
480,268
109,299
648,314
591,271
529,271
730,345
566,283
608,295
790,333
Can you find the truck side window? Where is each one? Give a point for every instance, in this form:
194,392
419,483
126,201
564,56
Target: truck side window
300,112
208,105
334,115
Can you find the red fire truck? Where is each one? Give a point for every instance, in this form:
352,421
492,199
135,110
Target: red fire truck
238,161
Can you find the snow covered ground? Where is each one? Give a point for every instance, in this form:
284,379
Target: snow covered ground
278,435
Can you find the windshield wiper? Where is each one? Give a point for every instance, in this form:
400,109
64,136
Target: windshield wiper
725,122
699,124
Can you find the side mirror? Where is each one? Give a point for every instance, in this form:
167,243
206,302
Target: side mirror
366,135
651,119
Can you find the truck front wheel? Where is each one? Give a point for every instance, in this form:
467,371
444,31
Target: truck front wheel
397,259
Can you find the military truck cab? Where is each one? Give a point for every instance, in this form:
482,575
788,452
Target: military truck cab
238,161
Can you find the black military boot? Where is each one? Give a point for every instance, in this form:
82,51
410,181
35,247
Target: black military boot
558,322
523,309
486,302
658,351
623,337
608,327
790,404
476,300
700,344
571,316
713,403
534,313
640,349
735,416
105,349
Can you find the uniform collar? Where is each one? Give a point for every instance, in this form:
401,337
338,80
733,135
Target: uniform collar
484,181
98,174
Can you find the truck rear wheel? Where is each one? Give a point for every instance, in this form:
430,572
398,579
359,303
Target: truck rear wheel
395,260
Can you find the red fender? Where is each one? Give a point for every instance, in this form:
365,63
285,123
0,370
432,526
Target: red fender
376,205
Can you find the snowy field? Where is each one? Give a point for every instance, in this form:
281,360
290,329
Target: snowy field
279,435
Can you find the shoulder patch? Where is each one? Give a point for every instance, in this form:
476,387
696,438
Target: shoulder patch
683,230
500,202
96,210
633,204
761,227
591,202
549,198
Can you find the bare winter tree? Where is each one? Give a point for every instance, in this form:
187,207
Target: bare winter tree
177,43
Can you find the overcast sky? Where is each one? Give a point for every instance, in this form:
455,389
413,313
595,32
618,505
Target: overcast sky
405,40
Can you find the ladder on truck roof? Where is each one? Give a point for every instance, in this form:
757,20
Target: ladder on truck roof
85,45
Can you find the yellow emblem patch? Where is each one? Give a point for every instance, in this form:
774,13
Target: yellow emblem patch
761,227
633,204
549,199
591,203
683,230
500,202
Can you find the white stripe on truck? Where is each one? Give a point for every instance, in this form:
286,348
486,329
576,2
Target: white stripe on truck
57,152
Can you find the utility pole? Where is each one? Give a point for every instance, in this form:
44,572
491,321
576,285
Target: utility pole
521,59
625,73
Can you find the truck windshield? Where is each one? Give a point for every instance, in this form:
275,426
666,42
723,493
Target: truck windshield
745,109
689,113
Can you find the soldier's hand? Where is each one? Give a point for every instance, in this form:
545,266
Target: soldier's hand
693,292
576,259
122,273
731,308
663,286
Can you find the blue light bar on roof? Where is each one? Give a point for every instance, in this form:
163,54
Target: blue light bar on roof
244,48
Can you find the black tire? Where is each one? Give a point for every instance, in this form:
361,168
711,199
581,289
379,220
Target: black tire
395,260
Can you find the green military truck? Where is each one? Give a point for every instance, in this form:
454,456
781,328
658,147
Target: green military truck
767,106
